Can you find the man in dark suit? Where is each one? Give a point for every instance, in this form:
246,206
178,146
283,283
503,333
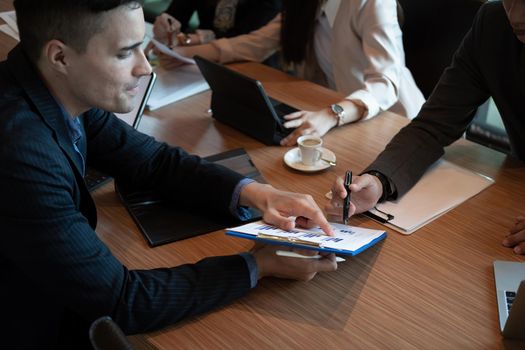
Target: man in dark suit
489,62
76,61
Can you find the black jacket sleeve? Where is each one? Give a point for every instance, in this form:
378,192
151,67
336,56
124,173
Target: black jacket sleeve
442,119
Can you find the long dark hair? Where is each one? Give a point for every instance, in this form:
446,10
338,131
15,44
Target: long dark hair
298,27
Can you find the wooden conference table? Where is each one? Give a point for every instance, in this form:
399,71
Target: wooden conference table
431,290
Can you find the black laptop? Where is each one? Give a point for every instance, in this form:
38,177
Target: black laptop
242,103
94,178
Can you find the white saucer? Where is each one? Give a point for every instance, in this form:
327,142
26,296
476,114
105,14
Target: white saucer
292,158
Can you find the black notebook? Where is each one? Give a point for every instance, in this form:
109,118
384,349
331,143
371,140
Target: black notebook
163,222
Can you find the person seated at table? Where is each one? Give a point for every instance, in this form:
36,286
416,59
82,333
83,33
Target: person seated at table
217,19
77,62
489,63
354,47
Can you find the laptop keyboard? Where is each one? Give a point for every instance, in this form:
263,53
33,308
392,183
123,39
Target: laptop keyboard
281,109
94,179
509,296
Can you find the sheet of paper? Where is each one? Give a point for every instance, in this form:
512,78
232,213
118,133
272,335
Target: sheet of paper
148,34
442,188
345,237
166,50
9,18
175,85
7,29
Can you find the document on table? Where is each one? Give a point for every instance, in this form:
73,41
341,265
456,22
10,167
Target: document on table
443,187
10,27
7,29
347,240
175,85
167,51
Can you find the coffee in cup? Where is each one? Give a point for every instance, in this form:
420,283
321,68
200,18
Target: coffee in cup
311,142
310,149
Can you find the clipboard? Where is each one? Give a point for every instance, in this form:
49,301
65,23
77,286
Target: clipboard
442,188
347,240
161,221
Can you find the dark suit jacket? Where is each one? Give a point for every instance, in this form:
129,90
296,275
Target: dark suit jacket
57,276
249,16
489,62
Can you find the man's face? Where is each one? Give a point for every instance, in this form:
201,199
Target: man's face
516,13
107,73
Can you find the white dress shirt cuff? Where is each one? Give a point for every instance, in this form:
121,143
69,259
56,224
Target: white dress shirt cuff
367,100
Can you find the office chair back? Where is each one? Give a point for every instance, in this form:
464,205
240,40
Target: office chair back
488,130
432,31
105,334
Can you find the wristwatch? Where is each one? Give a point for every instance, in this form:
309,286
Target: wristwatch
184,39
339,113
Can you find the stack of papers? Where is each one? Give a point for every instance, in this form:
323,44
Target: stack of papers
347,240
167,51
10,27
175,85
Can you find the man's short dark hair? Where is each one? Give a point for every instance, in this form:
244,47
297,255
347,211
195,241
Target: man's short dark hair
73,22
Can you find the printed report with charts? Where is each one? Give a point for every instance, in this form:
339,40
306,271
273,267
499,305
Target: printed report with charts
347,240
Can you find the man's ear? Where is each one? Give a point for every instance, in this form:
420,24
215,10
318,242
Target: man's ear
55,53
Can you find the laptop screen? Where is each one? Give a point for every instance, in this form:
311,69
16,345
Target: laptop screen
510,293
145,86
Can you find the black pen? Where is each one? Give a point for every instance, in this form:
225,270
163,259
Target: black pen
170,33
346,205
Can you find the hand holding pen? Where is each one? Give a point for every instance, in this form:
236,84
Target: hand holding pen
164,29
364,189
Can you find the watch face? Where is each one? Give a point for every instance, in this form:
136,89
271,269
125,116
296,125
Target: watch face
337,109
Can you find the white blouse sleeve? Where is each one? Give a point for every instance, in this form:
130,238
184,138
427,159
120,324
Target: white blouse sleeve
255,46
382,46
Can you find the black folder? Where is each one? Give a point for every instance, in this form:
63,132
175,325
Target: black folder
162,221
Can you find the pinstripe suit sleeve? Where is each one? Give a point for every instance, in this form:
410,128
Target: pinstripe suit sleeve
139,161
51,243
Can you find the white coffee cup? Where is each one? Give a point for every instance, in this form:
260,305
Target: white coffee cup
310,149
